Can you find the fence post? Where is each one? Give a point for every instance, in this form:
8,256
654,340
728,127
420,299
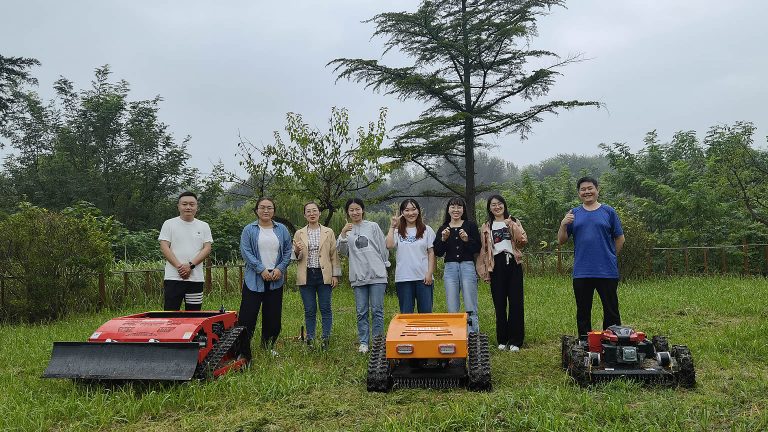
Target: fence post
527,264
686,261
706,261
240,280
650,261
102,290
723,263
746,257
147,281
208,279
765,252
559,261
226,285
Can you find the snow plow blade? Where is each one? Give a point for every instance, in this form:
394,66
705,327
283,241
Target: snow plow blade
170,361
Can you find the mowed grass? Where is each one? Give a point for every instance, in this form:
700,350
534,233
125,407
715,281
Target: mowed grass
723,320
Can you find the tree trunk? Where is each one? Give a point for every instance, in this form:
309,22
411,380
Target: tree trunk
469,122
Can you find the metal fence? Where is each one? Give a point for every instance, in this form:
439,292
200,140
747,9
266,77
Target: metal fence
125,286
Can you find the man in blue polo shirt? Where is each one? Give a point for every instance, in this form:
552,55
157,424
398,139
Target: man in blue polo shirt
597,240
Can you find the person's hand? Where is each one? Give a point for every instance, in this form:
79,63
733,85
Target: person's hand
428,279
568,219
334,282
298,247
395,220
266,275
347,228
445,234
184,270
463,235
276,274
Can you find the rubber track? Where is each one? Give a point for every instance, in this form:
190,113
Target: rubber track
378,367
479,363
209,364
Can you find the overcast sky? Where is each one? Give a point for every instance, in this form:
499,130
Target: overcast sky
236,67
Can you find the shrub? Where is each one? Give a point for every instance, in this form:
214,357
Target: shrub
49,259
633,258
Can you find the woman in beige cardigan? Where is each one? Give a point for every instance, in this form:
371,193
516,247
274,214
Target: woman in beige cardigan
318,271
499,263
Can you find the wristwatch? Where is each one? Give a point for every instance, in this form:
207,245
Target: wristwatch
191,266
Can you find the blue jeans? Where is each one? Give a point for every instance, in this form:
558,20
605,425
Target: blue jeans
372,294
314,292
461,276
412,293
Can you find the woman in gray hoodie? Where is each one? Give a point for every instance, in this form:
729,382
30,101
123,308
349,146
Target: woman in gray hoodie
364,243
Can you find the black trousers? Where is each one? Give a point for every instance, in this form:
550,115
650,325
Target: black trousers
583,290
175,291
271,304
507,294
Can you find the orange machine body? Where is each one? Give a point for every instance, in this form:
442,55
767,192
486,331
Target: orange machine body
427,336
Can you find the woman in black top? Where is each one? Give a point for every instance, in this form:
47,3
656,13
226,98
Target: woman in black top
459,240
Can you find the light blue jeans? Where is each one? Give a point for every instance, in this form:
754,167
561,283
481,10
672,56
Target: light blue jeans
373,295
460,277
315,293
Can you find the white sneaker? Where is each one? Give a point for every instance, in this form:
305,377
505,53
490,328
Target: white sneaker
363,348
502,347
273,352
514,348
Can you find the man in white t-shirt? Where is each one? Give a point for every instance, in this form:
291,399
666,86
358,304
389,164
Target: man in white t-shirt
185,243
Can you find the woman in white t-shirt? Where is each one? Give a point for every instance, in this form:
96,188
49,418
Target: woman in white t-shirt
415,258
499,263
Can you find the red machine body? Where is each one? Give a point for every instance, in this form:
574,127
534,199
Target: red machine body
162,345
595,338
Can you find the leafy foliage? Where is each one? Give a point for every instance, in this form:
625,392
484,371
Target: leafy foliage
14,73
96,145
50,259
326,167
681,190
740,168
469,65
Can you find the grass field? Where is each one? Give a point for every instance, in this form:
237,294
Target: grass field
724,321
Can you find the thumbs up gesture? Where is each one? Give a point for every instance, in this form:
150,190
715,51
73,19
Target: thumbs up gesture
568,219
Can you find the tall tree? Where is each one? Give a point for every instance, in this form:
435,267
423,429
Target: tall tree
323,166
97,145
469,65
14,73
739,166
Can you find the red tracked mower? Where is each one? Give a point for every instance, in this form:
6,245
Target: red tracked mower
167,345
621,352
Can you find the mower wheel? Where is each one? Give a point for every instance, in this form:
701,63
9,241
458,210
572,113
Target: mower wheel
578,366
686,376
378,379
660,343
567,343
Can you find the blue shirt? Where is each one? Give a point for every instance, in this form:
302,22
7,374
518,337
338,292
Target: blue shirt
593,242
249,249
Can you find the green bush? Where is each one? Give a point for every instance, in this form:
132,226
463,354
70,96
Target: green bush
48,260
633,259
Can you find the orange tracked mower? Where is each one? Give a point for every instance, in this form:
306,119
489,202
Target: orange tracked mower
429,351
